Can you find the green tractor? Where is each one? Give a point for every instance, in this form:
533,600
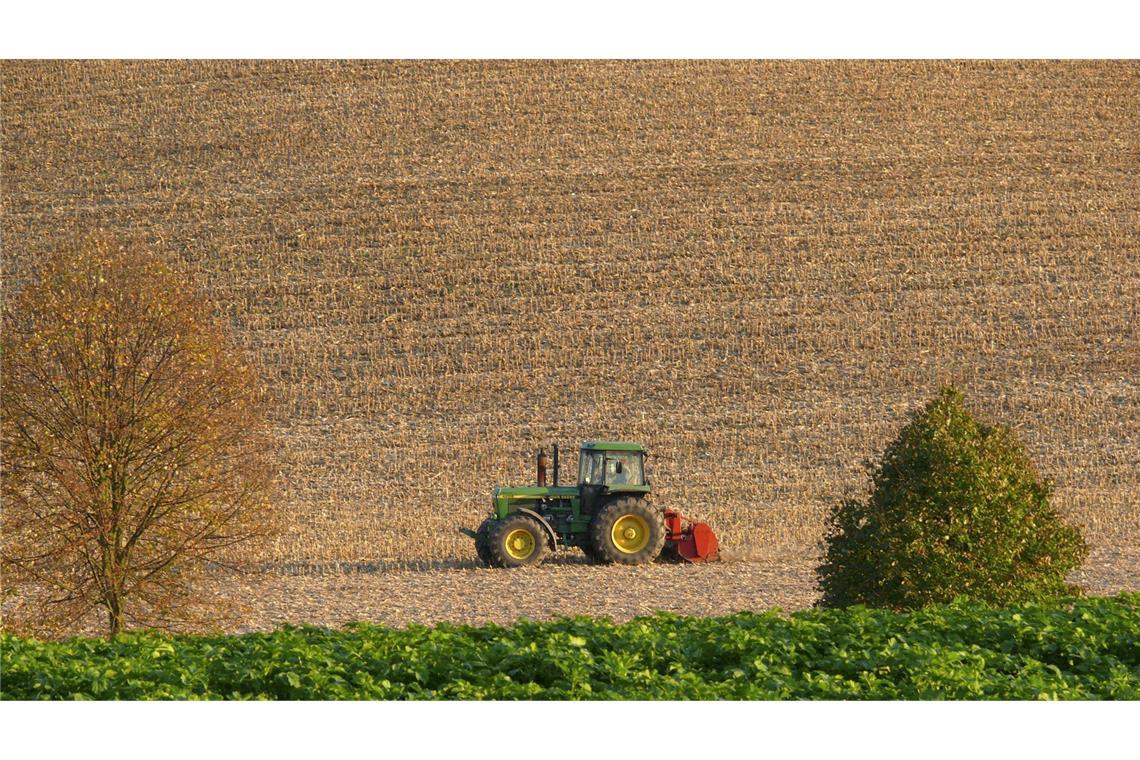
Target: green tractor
607,515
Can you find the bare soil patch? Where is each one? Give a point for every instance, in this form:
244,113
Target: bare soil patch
464,593
565,587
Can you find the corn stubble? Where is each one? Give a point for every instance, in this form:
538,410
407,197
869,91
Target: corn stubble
756,269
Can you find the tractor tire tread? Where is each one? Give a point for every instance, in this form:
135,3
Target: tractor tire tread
497,533
601,525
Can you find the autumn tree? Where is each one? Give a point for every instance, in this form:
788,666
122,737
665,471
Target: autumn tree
134,444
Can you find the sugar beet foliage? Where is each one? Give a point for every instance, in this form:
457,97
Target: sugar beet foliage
957,509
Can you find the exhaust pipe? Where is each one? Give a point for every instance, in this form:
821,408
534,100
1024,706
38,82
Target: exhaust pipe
556,465
543,464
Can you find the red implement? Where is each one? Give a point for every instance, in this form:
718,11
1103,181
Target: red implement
694,542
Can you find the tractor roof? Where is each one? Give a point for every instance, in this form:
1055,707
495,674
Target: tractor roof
612,446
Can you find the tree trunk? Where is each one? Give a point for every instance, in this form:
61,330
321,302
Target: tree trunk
114,604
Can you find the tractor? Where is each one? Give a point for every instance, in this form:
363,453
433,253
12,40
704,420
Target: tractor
607,515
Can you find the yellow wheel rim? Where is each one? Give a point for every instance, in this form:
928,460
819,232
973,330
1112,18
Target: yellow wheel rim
519,543
630,534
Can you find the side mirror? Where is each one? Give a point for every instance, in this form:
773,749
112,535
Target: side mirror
617,468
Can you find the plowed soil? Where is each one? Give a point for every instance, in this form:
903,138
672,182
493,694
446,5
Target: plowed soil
561,587
757,269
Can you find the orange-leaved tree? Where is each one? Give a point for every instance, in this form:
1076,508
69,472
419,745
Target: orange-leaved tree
135,448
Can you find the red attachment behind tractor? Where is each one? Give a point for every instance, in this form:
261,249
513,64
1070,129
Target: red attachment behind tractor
694,542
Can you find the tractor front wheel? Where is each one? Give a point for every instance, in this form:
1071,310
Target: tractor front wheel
516,541
628,531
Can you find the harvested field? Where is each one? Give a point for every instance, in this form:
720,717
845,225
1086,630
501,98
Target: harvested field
476,595
756,269
567,588
465,593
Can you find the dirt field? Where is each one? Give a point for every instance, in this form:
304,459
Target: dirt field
474,596
468,594
756,269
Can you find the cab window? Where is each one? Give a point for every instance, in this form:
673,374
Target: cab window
590,468
623,468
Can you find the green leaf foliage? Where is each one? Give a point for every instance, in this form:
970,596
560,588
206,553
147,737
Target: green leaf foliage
957,510
1080,648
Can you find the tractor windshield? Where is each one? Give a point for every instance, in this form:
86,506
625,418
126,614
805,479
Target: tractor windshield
611,468
590,468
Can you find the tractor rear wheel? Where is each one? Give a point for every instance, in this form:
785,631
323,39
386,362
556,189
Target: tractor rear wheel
628,531
516,541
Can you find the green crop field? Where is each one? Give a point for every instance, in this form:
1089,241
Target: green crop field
1080,649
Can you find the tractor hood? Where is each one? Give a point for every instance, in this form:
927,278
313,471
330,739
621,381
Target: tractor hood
534,492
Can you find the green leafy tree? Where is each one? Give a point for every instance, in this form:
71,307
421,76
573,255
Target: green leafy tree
134,443
957,509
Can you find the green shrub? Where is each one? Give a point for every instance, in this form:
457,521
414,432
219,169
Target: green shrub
957,510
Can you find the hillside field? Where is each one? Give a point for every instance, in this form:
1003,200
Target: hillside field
756,269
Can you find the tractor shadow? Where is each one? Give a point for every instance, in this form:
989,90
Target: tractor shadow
352,568
566,559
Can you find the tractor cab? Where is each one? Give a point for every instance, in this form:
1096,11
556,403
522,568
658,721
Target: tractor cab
611,464
609,467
